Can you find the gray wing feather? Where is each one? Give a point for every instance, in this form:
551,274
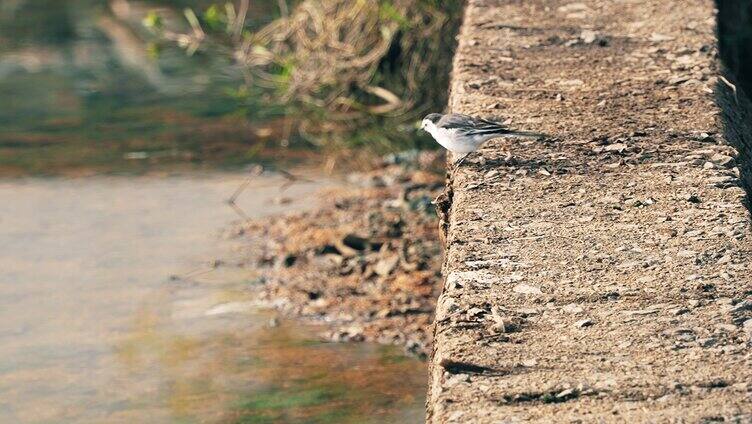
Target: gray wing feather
455,120
471,125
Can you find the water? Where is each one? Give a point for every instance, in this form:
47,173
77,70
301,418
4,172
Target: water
81,92
93,328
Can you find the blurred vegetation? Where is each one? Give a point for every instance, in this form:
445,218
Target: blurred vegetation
344,73
93,86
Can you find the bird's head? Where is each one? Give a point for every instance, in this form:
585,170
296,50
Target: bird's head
429,120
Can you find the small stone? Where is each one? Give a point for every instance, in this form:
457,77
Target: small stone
723,181
657,37
572,308
678,80
747,327
490,174
616,147
565,393
646,279
707,342
692,198
744,305
455,416
572,83
588,36
526,289
573,7
640,312
742,387
705,137
686,254
528,312
679,311
722,160
383,313
529,362
385,266
686,337
475,313
456,379
584,323
694,233
727,328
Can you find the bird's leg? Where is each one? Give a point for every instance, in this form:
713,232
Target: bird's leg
459,162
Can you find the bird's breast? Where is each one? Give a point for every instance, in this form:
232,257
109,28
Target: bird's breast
453,141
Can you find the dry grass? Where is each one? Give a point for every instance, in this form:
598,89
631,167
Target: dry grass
341,64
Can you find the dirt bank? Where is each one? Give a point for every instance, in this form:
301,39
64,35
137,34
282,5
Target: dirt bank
367,261
604,274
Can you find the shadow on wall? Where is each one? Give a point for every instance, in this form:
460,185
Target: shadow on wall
735,47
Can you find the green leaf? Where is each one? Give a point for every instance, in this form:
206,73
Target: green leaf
214,17
388,12
152,20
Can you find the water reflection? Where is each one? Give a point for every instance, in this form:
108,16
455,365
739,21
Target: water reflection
273,374
92,330
82,91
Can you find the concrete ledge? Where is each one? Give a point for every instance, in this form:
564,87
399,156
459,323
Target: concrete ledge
603,275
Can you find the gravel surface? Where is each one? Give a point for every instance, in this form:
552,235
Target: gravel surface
601,275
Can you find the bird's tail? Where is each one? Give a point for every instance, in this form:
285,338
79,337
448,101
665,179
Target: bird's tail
528,134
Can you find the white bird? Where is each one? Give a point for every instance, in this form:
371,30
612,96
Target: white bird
465,134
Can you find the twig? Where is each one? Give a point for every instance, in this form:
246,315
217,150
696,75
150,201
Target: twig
231,201
291,179
732,86
199,271
237,26
257,170
283,8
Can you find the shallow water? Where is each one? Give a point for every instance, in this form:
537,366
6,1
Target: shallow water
82,91
93,329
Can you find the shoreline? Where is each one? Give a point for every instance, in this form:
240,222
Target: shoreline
366,262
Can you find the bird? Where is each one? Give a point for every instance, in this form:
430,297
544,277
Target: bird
460,133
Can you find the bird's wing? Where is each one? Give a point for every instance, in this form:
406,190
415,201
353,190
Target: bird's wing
471,125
